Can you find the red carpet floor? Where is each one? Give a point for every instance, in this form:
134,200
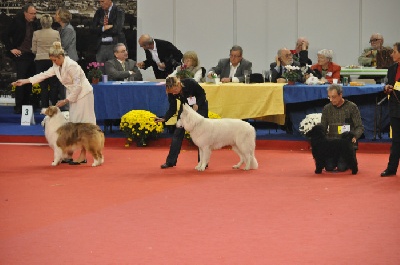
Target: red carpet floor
129,211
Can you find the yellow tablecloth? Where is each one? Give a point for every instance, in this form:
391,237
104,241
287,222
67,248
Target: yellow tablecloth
244,101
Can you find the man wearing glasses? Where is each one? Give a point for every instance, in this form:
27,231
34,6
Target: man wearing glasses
17,39
232,69
277,68
340,116
377,55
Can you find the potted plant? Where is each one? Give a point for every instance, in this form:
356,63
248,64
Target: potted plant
94,73
139,126
292,74
184,72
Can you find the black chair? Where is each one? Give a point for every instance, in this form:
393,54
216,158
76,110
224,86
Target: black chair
256,78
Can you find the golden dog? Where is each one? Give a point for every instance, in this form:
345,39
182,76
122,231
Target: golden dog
65,137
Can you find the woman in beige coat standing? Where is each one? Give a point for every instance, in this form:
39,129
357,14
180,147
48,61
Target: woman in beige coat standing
79,91
42,40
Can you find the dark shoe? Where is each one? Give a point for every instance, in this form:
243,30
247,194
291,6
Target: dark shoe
66,161
73,163
167,165
388,173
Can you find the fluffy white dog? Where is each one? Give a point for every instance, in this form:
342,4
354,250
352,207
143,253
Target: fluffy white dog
65,137
209,134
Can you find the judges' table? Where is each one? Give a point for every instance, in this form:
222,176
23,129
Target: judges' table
305,99
113,99
243,101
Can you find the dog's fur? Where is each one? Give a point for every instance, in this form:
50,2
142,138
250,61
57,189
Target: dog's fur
209,134
65,137
323,148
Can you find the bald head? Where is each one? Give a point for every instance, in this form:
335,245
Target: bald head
146,41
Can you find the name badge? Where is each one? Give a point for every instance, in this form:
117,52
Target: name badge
343,129
191,100
329,74
397,86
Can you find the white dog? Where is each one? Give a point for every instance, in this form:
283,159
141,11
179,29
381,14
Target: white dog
209,134
65,137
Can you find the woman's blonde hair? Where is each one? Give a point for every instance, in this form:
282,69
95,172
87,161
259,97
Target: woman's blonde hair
46,20
64,14
56,49
191,55
171,81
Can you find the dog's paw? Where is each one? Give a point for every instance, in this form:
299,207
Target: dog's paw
235,167
54,164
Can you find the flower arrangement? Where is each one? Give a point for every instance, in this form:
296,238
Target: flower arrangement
309,122
211,115
292,73
184,72
139,125
94,70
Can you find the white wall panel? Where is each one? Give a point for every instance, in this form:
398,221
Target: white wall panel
331,25
380,17
205,27
155,18
261,27
252,32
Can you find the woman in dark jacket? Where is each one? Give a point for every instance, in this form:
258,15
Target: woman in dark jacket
393,88
187,91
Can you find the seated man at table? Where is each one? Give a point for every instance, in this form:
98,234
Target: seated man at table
121,68
277,69
232,69
339,116
377,55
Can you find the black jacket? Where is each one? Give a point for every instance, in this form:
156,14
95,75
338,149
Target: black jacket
190,88
14,34
168,54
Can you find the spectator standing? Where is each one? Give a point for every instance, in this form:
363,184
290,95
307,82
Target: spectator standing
42,40
393,88
67,33
340,116
17,39
121,68
232,69
108,23
162,55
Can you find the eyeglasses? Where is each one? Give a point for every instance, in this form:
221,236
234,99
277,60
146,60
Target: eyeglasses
373,40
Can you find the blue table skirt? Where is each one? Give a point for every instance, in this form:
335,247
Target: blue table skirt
302,93
302,99
112,100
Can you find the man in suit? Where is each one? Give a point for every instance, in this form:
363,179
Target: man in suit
107,24
162,55
232,69
121,68
283,58
17,39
